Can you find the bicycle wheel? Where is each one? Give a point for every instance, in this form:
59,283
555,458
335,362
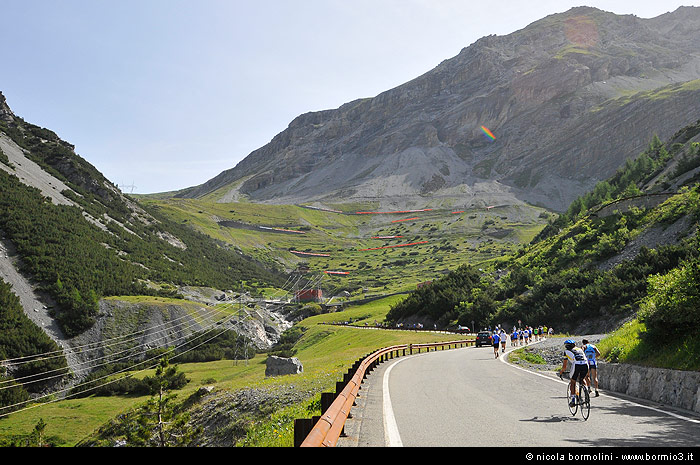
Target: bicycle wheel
585,401
572,408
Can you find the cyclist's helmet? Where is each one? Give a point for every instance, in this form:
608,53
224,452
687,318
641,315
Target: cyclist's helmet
569,344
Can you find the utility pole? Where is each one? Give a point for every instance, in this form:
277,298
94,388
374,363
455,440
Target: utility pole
132,187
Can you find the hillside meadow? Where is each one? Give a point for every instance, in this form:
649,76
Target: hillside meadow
382,252
326,352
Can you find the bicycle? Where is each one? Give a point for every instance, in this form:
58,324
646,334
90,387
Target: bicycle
582,399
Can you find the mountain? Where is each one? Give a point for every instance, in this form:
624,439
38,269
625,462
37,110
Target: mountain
568,98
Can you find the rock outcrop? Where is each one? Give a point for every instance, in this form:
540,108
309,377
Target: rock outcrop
280,366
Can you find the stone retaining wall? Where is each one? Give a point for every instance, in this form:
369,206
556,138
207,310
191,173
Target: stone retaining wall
669,387
645,201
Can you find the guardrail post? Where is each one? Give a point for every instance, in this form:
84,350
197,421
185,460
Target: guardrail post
327,399
302,428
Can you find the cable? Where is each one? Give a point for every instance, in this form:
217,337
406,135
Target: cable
92,361
219,309
98,345
103,377
284,289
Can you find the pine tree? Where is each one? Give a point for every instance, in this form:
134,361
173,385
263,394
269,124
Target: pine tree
160,421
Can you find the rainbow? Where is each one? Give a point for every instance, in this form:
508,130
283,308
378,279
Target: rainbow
488,133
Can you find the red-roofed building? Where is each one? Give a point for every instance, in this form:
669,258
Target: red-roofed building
309,295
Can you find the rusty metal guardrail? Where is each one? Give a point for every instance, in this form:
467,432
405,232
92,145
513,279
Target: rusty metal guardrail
326,430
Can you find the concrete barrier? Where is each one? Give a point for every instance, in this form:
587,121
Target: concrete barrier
676,388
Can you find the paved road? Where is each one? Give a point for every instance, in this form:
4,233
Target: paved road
466,397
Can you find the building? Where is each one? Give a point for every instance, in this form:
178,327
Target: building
309,295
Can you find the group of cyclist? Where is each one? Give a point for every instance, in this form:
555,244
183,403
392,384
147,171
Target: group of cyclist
517,337
581,361
582,364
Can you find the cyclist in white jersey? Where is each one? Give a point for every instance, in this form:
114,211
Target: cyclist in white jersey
575,357
592,353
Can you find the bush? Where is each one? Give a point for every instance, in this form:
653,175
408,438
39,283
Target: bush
672,306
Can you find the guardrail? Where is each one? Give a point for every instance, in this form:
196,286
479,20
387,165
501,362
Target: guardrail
326,430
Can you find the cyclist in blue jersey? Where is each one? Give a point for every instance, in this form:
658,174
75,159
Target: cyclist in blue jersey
575,357
592,354
496,343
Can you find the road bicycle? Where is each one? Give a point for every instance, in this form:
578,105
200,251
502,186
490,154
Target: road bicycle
582,399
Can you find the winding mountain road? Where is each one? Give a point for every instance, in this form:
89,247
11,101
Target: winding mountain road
466,397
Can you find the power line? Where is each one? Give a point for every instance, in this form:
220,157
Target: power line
219,309
129,352
109,375
85,347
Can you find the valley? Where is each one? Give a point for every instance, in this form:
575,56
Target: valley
382,251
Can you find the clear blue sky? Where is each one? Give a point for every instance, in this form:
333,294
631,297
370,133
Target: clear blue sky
166,94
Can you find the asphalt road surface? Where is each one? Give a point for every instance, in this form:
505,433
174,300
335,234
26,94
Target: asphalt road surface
467,397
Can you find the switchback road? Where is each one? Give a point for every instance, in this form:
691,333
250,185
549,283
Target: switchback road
466,397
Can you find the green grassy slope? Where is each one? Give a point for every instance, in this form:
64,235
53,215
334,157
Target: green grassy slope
442,239
325,351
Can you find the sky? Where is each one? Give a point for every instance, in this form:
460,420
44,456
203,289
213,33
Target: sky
160,95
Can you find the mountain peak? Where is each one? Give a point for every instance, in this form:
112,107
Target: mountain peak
5,111
568,98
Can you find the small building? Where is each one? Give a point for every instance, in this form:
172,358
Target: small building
309,295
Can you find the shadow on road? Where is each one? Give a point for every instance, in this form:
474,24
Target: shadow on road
673,432
554,419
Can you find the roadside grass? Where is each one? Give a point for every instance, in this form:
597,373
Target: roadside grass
326,352
632,344
526,355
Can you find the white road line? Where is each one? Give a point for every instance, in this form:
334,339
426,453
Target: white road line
675,415
391,431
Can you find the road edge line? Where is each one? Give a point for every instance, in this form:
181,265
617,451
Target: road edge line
392,438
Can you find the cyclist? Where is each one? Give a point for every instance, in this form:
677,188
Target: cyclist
592,353
575,357
496,341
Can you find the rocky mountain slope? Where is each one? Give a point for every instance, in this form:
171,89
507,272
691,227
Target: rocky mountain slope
569,98
70,240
